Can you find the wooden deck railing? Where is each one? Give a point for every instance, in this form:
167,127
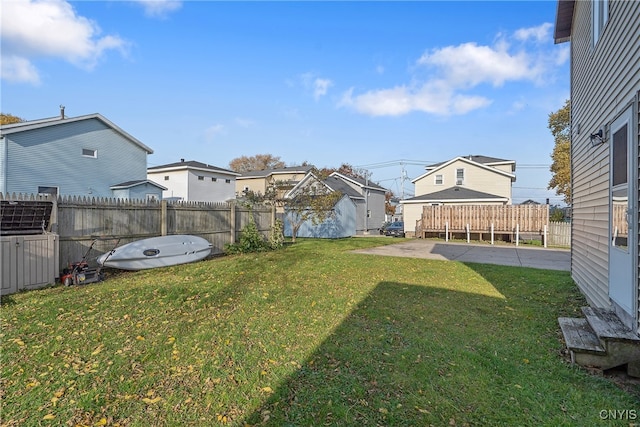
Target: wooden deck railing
482,219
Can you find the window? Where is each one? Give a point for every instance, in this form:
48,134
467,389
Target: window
88,152
459,176
228,181
166,177
599,18
214,179
201,178
44,190
439,180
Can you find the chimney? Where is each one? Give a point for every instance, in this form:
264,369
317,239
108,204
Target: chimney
61,112
182,160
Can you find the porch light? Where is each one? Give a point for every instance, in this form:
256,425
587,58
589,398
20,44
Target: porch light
597,138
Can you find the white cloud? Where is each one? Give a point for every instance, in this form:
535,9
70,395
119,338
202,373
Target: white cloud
159,8
317,85
444,77
38,28
16,69
469,65
213,131
540,33
320,87
245,123
432,98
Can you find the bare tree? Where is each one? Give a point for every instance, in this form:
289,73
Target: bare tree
7,119
256,163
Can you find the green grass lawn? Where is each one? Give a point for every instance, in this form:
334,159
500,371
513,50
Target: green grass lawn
312,334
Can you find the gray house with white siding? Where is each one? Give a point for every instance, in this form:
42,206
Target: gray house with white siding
74,156
605,139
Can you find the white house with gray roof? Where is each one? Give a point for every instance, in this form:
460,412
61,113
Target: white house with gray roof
464,180
194,181
74,156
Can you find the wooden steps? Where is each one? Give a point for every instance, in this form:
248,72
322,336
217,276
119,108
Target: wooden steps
601,340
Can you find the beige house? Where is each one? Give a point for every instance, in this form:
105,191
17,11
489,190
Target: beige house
462,181
259,182
605,137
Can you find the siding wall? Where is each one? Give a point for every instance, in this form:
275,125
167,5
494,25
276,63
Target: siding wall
343,224
3,164
52,156
475,178
604,80
638,203
176,185
185,184
208,190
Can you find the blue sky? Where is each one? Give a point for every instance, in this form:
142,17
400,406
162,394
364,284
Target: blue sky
389,86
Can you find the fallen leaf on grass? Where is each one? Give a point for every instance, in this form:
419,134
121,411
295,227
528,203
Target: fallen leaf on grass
267,389
97,350
151,401
48,417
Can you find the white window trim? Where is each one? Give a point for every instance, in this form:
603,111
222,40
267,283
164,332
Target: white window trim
435,180
599,19
459,181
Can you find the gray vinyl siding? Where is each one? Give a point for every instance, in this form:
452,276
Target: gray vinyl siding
638,201
3,164
52,156
139,192
341,224
604,81
375,203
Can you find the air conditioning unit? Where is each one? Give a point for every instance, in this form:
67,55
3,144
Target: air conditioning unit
459,181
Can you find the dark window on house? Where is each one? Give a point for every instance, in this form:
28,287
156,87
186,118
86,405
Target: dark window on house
439,180
88,152
214,179
166,177
459,176
201,178
228,181
48,190
620,157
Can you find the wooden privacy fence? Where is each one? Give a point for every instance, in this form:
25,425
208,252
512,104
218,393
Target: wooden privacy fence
559,234
79,221
482,219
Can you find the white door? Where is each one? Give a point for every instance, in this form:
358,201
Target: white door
623,233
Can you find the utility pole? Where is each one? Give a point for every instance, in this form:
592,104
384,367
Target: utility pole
403,177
